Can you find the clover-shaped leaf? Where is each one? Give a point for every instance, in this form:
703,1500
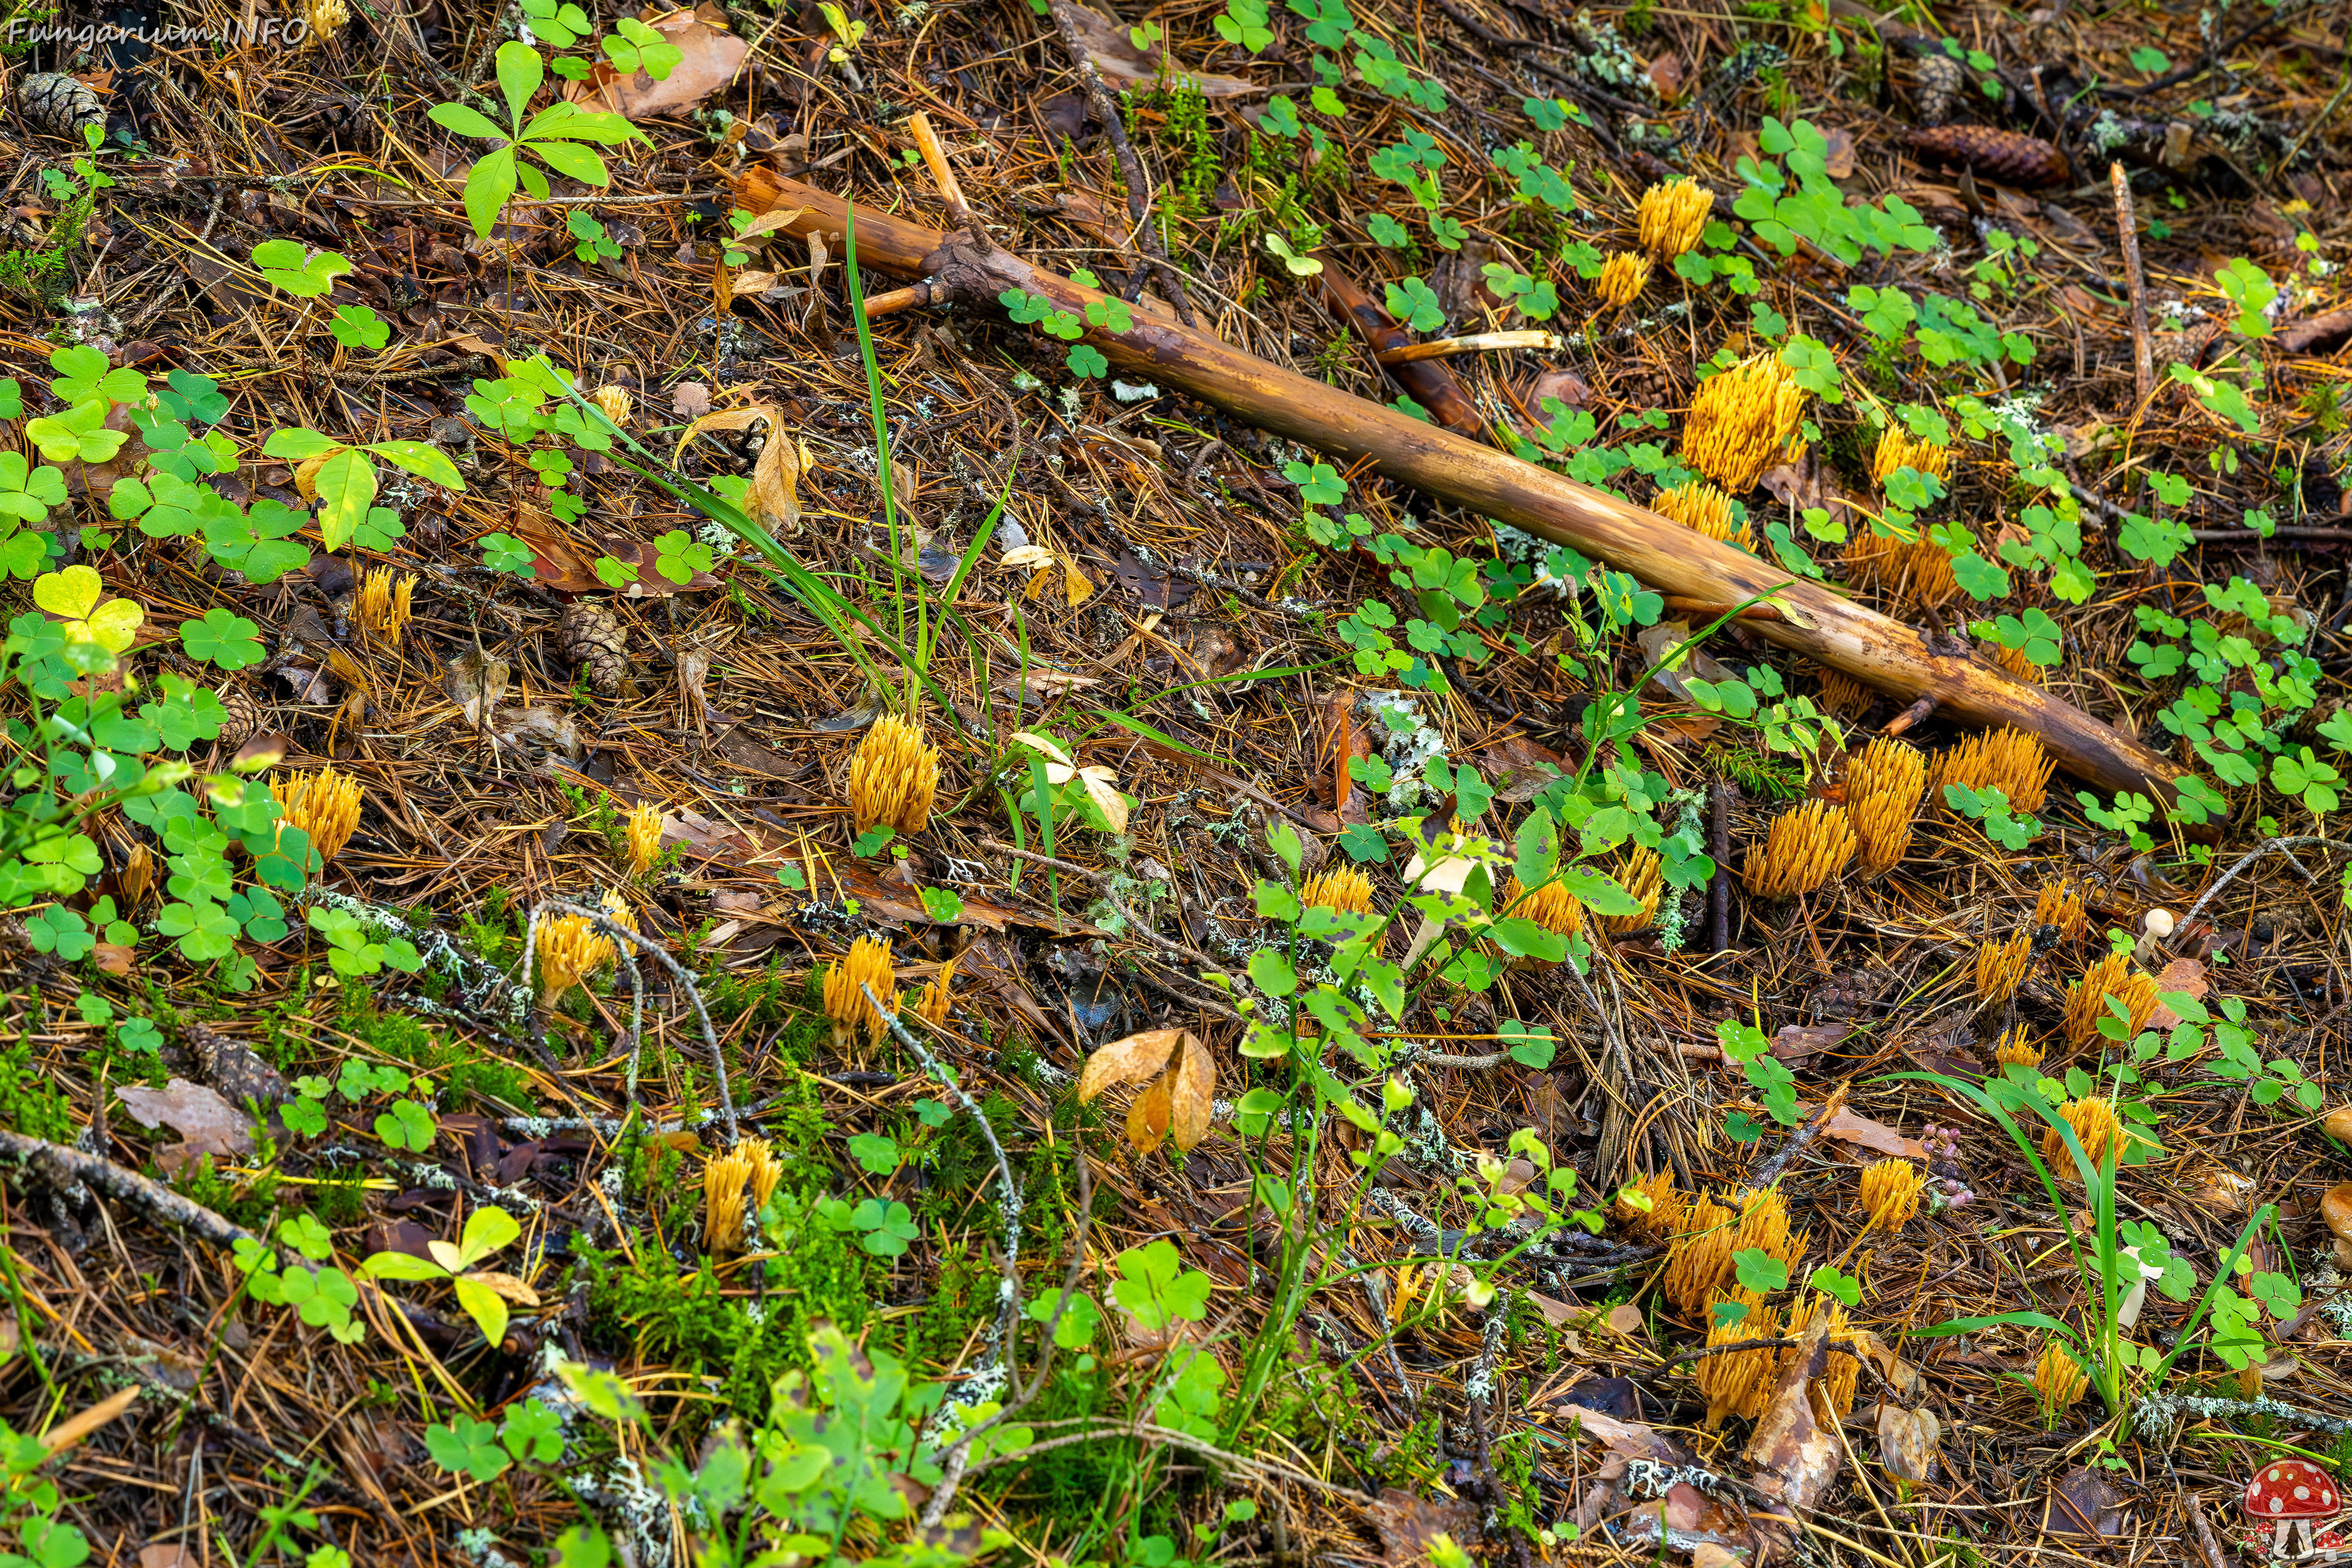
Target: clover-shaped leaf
83,375
221,638
290,267
359,327
78,436
72,597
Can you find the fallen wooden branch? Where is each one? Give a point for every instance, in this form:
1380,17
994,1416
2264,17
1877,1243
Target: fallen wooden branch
1815,618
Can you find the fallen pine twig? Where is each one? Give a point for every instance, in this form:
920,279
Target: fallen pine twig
1875,649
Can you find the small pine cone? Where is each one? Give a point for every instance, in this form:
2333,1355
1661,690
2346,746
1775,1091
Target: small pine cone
2011,157
57,105
591,637
233,1069
244,718
1940,79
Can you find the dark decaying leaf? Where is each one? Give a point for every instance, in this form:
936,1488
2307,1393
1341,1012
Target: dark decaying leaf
2084,1502
1406,1523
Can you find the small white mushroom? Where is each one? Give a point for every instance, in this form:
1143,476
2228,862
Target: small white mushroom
2155,927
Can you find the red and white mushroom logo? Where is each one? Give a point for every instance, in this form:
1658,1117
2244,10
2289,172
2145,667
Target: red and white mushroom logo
2288,1497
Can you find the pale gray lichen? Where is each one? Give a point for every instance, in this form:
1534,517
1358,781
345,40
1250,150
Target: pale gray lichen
1405,741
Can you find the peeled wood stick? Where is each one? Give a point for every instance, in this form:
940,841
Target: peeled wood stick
1477,343
935,158
1817,621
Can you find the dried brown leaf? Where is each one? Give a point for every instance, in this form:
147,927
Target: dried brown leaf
1191,1091
713,56
1907,1442
776,481
206,1123
1131,1060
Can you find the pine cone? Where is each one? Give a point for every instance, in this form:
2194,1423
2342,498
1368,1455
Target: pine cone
57,105
1940,79
2011,157
233,1068
244,718
591,637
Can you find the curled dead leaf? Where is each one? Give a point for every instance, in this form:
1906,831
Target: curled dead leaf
1192,1093
507,1287
1907,1442
1131,1060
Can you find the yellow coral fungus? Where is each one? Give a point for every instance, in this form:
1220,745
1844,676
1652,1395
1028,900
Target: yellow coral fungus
1873,560
1737,1383
1551,906
1672,215
1833,1392
2096,1129
1742,421
2008,760
1704,509
932,1002
2016,1050
617,403
1882,796
1844,695
1700,1257
1890,1193
2002,966
1804,849
736,1185
2011,660
2086,999
893,778
1764,1224
1929,578
1649,1204
2059,1382
1643,875
1897,449
324,804
643,838
2060,904
383,604
570,951
1622,278
1342,889
865,965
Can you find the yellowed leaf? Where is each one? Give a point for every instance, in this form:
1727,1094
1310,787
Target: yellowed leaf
768,222
1131,1060
722,285
306,476
776,482
1147,1119
1103,790
1191,1092
1037,742
1075,582
1032,556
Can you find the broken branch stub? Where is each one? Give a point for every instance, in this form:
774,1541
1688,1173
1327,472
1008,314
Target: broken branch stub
1817,621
